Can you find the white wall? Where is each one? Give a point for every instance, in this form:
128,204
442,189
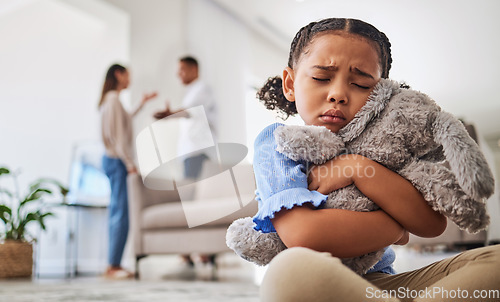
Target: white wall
53,59
267,60
157,40
221,44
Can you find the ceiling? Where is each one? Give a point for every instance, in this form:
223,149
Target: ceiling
447,49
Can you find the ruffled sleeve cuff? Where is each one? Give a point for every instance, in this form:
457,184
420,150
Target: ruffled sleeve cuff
284,199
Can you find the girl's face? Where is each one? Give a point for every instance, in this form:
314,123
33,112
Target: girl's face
333,79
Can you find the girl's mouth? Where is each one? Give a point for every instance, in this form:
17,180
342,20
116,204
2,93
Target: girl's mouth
333,116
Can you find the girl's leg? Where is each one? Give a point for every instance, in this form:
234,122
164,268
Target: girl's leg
118,209
473,275
301,274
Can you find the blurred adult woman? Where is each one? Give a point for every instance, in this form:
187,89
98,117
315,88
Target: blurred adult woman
118,161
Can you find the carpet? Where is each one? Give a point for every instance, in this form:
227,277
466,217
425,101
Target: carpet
128,291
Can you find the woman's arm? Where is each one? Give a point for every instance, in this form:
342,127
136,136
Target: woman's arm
145,98
343,233
394,194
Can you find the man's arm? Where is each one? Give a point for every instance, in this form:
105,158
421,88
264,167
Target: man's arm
168,112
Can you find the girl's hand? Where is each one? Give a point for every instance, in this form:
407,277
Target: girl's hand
336,173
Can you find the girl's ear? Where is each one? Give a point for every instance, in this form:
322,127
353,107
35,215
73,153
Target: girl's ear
288,80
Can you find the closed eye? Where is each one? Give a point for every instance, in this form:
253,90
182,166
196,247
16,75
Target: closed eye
360,86
321,80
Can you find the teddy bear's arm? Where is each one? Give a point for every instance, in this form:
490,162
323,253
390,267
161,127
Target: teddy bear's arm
439,187
252,245
310,143
466,160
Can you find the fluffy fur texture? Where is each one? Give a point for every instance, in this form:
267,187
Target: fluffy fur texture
251,245
405,131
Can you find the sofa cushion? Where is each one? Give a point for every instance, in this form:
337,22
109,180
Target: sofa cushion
203,213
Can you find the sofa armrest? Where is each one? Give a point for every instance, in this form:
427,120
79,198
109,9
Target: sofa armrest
139,198
145,197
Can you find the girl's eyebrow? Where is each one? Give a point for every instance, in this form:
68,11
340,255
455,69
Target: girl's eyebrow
326,68
360,72
355,70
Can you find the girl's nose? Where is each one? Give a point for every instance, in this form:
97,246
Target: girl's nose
338,94
341,101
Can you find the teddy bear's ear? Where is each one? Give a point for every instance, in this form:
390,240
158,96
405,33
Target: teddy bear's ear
466,160
310,143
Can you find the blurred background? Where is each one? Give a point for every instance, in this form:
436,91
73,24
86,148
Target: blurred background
54,54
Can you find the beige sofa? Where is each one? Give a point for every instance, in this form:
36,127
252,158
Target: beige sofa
161,223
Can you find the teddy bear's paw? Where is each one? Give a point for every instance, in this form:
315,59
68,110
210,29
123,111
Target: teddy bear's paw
474,220
350,198
310,143
360,265
251,245
480,223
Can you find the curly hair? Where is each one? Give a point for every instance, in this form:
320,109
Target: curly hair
271,94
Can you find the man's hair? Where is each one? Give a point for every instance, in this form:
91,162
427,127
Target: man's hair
189,60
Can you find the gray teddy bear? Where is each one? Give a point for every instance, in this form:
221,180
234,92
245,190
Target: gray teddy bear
407,132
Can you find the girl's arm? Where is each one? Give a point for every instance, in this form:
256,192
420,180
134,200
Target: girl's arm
282,184
393,193
343,233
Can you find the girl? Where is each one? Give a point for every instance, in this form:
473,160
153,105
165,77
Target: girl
333,66
116,126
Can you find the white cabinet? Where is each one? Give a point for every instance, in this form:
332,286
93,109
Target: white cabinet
75,242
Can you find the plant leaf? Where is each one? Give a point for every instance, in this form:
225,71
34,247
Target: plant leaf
43,181
22,224
4,170
42,219
34,216
17,218
3,211
36,194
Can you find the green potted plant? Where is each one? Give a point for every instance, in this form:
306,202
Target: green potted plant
17,211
